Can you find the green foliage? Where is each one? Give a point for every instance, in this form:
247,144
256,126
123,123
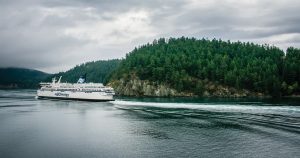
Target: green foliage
97,71
183,62
20,78
291,70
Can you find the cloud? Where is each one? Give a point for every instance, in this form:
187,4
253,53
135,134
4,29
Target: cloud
56,35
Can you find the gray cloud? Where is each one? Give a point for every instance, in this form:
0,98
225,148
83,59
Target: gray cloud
56,35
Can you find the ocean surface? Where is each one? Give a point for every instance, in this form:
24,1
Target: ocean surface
148,127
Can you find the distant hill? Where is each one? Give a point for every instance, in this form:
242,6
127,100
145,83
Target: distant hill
96,71
20,78
201,67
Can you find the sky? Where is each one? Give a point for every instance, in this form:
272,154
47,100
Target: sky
56,35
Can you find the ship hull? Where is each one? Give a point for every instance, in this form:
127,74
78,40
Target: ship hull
75,95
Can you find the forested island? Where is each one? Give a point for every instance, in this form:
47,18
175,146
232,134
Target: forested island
197,67
189,67
14,78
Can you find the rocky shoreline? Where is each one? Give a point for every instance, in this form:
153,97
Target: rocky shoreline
140,88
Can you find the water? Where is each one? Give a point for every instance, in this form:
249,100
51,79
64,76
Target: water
148,127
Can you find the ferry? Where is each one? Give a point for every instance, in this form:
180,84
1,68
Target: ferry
75,91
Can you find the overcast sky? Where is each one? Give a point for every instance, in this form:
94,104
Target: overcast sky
55,35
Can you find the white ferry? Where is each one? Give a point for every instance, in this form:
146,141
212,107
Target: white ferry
76,91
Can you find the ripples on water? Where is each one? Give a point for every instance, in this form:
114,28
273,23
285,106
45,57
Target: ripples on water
148,127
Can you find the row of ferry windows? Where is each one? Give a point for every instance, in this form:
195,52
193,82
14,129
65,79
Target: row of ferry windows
90,90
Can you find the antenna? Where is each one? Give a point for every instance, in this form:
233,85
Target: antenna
59,79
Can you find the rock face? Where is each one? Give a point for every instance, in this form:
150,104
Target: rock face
137,87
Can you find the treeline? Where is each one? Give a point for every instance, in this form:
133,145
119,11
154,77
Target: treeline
20,78
96,71
184,63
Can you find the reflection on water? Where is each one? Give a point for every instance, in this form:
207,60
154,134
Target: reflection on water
148,127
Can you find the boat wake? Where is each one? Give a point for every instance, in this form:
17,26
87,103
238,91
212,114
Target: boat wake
231,107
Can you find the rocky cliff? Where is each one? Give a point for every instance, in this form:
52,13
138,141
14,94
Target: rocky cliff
137,87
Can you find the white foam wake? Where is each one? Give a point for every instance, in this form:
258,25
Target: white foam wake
210,106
